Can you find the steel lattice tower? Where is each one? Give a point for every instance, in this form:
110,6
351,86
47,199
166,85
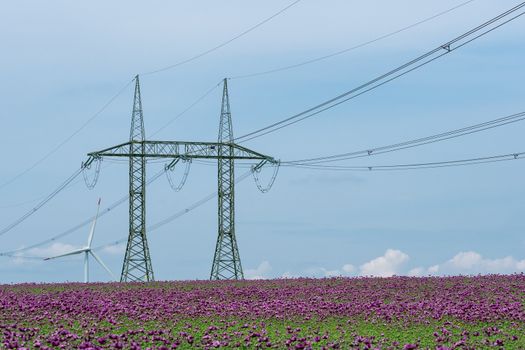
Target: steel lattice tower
137,262
226,260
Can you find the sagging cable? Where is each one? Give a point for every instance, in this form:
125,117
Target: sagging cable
256,170
91,180
169,170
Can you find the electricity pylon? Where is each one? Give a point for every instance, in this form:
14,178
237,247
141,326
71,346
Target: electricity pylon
226,260
137,262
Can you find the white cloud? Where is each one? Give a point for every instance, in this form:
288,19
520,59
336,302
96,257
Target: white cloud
466,260
348,268
261,272
473,263
322,272
345,270
421,271
433,269
393,263
387,265
417,271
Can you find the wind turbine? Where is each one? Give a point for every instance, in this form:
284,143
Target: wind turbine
87,250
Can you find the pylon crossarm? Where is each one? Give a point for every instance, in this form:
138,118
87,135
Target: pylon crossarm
181,149
237,149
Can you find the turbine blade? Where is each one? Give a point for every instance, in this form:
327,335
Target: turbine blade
73,252
101,263
92,231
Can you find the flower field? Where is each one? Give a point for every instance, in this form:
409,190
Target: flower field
337,313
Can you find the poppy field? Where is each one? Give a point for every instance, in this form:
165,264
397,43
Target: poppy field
336,313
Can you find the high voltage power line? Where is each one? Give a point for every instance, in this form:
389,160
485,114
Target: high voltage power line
398,72
16,252
352,48
180,213
414,166
193,58
112,99
71,184
59,189
67,139
196,102
41,203
104,212
84,223
394,167
187,109
447,135
20,204
316,163
105,106
491,124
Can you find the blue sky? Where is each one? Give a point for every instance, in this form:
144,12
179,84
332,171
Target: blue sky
63,60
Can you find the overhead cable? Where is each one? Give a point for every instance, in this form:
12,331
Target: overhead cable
176,215
19,204
193,58
41,203
352,48
156,226
491,124
43,196
398,72
414,166
67,139
197,101
80,225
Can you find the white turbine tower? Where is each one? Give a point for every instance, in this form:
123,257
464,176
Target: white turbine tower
87,250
